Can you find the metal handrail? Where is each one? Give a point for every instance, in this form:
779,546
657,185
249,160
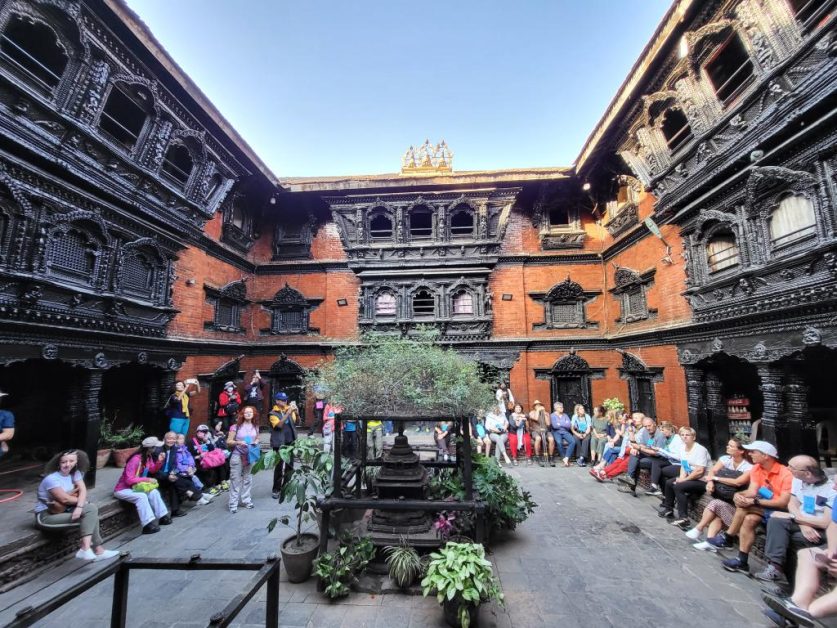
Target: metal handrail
267,572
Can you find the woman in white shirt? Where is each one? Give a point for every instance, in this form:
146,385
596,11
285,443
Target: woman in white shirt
694,463
718,513
497,427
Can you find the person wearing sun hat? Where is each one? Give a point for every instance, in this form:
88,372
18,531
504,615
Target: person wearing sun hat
137,486
769,491
538,424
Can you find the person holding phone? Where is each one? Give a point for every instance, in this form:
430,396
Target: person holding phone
804,524
769,491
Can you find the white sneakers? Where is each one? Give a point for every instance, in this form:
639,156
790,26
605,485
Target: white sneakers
704,546
694,534
205,499
91,556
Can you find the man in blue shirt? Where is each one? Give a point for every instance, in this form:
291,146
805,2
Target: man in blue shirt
7,429
561,427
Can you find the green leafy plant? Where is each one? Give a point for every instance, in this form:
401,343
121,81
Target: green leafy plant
613,404
337,570
310,478
507,504
460,573
119,439
422,377
404,563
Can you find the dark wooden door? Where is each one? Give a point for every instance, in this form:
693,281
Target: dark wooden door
645,397
570,390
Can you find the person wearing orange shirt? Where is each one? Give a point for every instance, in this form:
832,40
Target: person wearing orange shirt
769,490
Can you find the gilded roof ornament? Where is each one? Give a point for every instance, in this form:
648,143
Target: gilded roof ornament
428,159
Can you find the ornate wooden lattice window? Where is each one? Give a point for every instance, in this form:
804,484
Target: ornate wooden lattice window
212,186
72,254
237,228
809,13
722,252
124,115
564,306
730,69
462,223
32,49
139,275
228,303
424,304
676,129
380,228
293,237
289,312
463,303
631,288
792,220
421,224
178,164
386,305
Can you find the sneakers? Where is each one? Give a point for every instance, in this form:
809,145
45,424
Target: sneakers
276,494
165,520
580,462
705,547
233,510
214,490
683,524
720,541
205,499
514,462
250,506
664,511
225,485
627,480
541,462
566,462
106,555
790,611
86,555
153,528
625,488
693,534
771,573
654,490
736,564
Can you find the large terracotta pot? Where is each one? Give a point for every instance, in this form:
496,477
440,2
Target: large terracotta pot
120,456
300,561
102,457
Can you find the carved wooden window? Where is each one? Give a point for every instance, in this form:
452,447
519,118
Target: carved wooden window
227,315
567,314
635,304
213,185
290,312
71,253
238,217
178,164
462,224
380,228
32,48
124,115
289,321
423,304
559,217
809,13
722,252
792,220
421,224
385,304
463,303
138,275
730,69
676,129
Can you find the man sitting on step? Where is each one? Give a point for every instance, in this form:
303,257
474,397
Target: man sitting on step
646,450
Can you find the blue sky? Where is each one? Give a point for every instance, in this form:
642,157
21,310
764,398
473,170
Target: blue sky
344,87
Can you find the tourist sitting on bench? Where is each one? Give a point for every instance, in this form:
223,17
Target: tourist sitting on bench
441,434
173,486
542,441
519,437
582,428
801,609
63,504
690,482
562,433
668,465
769,490
804,524
644,452
480,435
137,486
497,427
729,475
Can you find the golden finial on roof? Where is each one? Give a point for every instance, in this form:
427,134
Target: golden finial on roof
428,159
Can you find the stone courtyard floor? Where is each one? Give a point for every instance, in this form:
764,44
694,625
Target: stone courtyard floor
589,556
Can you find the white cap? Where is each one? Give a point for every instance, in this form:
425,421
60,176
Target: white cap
768,449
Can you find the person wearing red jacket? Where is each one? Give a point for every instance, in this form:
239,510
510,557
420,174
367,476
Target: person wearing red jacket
229,402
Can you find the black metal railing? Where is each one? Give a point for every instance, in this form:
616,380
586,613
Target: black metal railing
267,571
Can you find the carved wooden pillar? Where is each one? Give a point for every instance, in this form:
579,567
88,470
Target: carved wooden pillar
86,417
167,380
716,414
773,423
153,401
802,435
694,395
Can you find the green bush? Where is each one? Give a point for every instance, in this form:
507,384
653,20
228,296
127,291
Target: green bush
338,569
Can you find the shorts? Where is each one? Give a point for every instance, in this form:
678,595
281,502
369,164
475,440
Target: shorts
179,425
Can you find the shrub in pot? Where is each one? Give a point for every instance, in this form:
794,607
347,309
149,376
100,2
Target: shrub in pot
404,564
337,570
309,478
123,443
461,578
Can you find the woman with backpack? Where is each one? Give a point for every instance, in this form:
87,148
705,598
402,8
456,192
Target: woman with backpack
243,435
229,402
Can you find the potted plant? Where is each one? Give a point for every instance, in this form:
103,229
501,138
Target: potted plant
104,451
613,404
123,442
461,578
337,570
309,478
404,564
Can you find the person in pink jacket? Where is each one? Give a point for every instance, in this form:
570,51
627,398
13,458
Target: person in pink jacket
135,486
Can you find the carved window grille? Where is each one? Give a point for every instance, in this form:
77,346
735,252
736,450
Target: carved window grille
635,301
676,129
123,117
462,224
138,276
810,13
32,49
289,321
70,253
567,314
463,303
730,70
385,304
178,164
290,312
792,220
424,304
421,224
227,315
5,223
380,228
722,252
